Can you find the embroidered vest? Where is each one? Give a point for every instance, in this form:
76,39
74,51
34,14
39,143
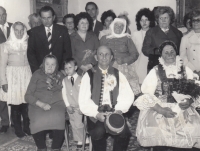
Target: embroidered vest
95,82
166,85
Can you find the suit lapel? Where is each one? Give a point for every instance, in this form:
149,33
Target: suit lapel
8,29
55,35
43,36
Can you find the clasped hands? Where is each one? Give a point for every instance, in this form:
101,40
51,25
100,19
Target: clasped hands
102,116
44,106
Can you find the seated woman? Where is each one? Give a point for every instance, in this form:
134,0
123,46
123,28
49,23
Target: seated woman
167,108
15,75
46,105
106,19
124,50
68,21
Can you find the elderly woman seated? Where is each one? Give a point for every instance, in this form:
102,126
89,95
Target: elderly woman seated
167,108
46,105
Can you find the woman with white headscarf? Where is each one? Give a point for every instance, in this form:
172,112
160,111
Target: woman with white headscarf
15,76
124,51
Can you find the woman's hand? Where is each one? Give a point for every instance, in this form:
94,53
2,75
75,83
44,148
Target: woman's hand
101,116
167,112
5,88
87,67
187,104
43,105
70,109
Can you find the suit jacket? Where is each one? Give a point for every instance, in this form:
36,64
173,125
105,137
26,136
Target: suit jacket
38,45
155,37
98,27
2,36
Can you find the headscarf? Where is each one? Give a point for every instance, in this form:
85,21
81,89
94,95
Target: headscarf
167,42
54,79
113,34
14,44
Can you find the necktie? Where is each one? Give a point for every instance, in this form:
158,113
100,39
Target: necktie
4,31
72,80
49,36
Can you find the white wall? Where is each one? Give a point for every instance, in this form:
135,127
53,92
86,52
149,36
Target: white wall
118,6
17,10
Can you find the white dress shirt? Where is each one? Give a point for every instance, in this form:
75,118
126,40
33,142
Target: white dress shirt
47,29
94,23
75,76
89,108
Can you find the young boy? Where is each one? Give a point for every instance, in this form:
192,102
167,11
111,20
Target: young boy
70,92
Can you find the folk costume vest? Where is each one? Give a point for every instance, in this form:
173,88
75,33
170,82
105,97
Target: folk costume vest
96,86
167,85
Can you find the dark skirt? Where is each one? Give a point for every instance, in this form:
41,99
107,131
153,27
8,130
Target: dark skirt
53,119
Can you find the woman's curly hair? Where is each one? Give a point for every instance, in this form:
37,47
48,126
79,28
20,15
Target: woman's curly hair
107,14
83,15
147,13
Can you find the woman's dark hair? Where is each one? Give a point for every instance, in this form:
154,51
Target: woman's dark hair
186,18
107,14
194,13
83,15
147,13
68,16
46,9
165,43
162,10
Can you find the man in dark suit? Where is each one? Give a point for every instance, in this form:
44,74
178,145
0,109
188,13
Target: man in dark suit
92,9
4,34
48,38
34,21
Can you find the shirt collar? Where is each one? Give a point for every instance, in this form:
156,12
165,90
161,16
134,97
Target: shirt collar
104,71
46,28
166,29
5,25
74,76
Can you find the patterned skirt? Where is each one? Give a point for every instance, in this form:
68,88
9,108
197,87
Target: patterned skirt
131,76
18,78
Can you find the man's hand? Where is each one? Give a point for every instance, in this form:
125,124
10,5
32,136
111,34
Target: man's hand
70,110
46,107
5,88
118,111
185,105
101,117
168,113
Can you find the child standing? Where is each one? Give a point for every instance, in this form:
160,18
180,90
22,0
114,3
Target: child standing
71,84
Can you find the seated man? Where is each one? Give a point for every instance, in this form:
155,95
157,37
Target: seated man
105,87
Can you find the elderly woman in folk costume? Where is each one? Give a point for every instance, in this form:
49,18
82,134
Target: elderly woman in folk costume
15,76
167,108
46,105
124,50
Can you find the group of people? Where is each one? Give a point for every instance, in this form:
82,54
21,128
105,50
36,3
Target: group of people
99,70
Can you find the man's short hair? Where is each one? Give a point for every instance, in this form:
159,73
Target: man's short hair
107,48
3,8
33,15
46,9
91,3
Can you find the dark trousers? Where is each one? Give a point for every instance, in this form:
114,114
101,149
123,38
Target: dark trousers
40,139
4,113
17,112
98,135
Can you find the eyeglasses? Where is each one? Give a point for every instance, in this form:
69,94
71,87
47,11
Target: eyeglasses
196,20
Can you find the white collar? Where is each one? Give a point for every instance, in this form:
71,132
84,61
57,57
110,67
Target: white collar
104,71
94,23
5,25
47,28
172,69
165,29
74,76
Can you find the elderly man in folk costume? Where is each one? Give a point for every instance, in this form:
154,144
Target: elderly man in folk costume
105,102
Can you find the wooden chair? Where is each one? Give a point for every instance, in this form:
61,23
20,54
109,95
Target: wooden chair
85,134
